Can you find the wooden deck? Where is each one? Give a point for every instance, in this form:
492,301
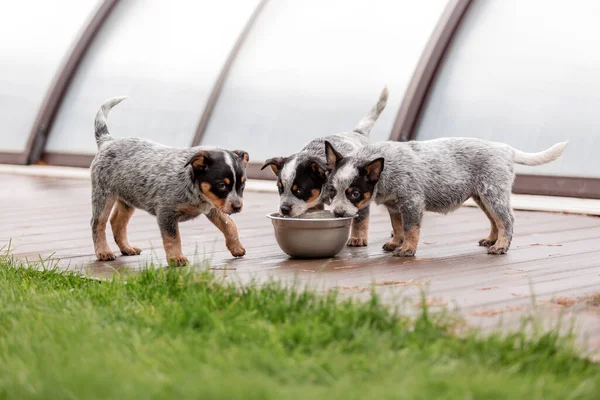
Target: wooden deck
554,256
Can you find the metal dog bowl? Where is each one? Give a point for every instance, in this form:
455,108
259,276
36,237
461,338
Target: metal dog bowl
313,235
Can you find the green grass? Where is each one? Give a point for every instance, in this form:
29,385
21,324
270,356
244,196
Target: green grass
172,333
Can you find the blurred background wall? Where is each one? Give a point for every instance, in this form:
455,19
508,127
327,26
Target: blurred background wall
268,76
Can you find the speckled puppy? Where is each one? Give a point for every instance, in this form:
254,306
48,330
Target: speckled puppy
173,184
303,176
434,175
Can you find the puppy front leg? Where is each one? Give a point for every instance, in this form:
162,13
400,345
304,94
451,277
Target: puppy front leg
227,226
412,215
360,229
397,233
169,230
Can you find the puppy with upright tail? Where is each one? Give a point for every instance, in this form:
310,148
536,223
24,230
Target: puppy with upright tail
438,175
173,184
302,177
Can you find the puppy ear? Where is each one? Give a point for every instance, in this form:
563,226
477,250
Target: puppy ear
332,156
200,161
244,156
317,167
275,163
374,169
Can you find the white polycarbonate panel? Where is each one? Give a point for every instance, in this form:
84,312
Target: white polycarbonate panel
165,56
36,37
315,67
524,73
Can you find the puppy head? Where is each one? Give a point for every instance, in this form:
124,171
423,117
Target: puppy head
300,180
221,177
353,181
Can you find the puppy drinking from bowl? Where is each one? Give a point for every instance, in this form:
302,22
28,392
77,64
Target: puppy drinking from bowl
438,175
173,184
302,177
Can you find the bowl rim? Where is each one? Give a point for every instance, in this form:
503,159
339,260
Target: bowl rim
276,217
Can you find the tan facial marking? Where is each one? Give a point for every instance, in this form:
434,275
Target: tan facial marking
243,179
294,188
229,230
367,197
227,181
314,195
217,202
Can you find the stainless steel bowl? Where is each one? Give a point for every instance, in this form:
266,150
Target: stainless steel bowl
313,235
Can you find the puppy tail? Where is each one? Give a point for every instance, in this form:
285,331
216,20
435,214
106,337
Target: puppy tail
100,126
365,124
540,158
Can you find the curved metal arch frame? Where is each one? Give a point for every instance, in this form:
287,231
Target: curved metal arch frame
426,70
404,127
54,96
419,89
211,103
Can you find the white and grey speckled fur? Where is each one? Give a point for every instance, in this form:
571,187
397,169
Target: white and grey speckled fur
438,175
139,173
345,143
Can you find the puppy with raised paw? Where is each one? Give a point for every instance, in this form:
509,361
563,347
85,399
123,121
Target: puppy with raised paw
302,177
173,184
438,175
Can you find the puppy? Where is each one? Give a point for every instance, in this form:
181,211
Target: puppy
301,177
435,175
170,183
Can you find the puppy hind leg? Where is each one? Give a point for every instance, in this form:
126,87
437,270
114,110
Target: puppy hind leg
118,222
360,229
500,210
101,207
397,232
229,230
493,236
169,230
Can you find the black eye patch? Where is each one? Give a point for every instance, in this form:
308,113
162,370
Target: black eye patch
308,183
354,194
304,190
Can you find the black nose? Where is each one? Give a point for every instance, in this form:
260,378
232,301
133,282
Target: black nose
338,214
236,207
285,210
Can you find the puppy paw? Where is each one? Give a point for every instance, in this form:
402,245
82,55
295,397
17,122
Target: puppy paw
178,261
357,242
486,242
405,252
237,250
131,251
497,250
106,255
390,246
